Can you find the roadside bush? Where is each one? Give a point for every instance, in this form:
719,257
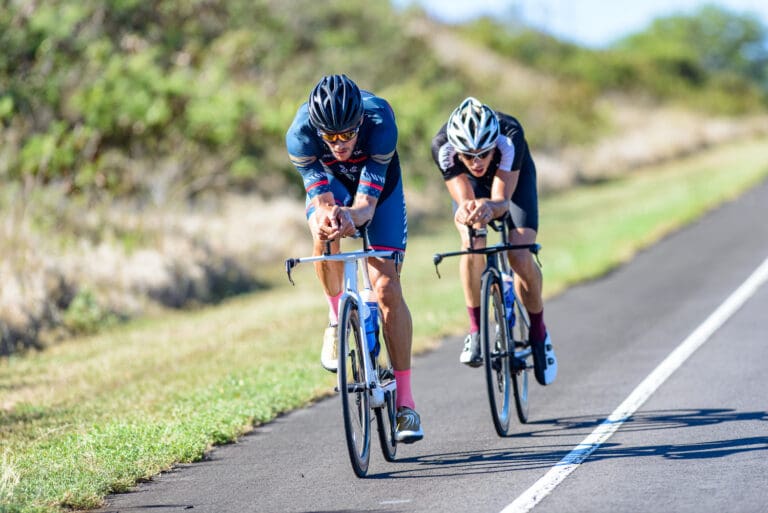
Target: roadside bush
85,315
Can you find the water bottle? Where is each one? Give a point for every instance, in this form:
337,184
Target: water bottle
371,319
508,286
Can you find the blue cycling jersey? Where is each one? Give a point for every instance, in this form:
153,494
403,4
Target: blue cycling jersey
372,169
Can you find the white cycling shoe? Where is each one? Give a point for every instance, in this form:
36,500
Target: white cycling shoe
329,355
544,361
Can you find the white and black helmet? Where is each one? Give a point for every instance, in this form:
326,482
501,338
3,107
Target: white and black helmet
472,127
335,104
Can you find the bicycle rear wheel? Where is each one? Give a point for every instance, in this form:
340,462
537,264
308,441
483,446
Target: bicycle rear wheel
495,339
352,386
521,367
385,416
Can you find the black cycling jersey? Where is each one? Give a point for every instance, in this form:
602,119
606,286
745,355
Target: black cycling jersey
510,154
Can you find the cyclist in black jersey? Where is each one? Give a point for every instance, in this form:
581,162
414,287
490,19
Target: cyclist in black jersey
487,167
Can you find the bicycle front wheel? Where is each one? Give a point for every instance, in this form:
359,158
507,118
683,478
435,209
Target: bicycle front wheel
353,389
495,340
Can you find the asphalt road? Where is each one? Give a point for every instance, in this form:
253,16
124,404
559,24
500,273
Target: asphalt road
698,444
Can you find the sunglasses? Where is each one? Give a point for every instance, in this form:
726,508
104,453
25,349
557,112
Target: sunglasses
342,136
472,156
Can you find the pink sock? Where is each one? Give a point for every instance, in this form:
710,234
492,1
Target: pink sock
333,314
404,395
474,319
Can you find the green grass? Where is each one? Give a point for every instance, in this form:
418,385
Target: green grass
97,414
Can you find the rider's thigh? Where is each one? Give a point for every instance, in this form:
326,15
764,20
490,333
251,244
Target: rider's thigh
522,236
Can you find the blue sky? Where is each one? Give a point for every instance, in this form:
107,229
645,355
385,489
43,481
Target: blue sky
593,23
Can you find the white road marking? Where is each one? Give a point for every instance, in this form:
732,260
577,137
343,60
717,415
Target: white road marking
644,390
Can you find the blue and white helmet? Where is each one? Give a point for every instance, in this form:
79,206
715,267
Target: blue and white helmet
472,127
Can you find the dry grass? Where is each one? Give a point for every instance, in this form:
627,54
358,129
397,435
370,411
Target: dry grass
130,260
646,136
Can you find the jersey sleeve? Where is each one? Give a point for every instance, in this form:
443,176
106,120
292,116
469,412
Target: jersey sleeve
444,155
382,144
508,154
303,154
512,135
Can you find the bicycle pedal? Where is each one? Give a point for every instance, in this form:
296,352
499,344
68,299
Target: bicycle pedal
386,374
518,364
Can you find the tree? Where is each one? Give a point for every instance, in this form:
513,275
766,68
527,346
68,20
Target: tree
713,40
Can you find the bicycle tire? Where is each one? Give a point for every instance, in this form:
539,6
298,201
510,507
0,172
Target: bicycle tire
386,423
520,376
355,403
495,339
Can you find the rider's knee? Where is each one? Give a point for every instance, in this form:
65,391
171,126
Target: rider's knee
522,262
388,290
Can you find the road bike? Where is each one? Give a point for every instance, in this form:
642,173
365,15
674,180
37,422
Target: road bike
504,327
366,380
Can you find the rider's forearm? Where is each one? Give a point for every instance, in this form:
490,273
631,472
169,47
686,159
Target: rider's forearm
498,207
323,201
362,209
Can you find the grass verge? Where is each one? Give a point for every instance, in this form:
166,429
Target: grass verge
97,414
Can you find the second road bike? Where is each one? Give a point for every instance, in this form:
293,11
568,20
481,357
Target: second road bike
504,328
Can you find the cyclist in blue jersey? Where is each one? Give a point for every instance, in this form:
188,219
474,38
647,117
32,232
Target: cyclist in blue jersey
487,167
343,143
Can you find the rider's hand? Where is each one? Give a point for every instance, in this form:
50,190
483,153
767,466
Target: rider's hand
345,223
323,224
333,223
462,212
480,214
474,212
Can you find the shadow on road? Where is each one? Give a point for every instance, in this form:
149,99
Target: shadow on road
532,455
645,421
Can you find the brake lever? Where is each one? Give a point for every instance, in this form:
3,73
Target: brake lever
535,251
436,259
290,263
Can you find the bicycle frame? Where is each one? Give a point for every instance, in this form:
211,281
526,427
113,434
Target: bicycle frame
352,260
